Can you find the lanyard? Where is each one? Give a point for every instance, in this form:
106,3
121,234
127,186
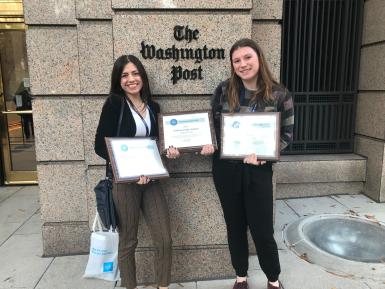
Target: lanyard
242,100
138,113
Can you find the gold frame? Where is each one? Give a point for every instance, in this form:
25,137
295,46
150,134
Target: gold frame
11,8
12,18
12,15
12,177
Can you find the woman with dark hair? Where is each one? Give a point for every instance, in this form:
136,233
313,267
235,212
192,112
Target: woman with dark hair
130,87
245,187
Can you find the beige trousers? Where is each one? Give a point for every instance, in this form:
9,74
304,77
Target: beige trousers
129,199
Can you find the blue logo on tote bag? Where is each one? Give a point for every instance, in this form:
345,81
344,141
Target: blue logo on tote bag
108,266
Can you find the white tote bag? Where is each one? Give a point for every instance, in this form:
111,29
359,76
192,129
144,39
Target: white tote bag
103,258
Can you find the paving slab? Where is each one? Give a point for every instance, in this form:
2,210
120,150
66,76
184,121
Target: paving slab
29,190
187,285
216,284
31,226
256,279
253,263
375,285
18,208
363,206
319,205
298,273
66,272
283,215
6,230
6,192
22,265
15,210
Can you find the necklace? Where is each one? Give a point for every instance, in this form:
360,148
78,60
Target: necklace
140,107
137,105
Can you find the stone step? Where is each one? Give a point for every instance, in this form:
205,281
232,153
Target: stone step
319,175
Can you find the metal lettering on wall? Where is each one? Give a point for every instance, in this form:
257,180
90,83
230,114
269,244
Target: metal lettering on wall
183,33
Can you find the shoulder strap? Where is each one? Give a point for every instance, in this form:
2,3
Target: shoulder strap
108,164
120,117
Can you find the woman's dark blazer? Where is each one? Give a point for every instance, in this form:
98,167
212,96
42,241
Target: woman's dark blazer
109,118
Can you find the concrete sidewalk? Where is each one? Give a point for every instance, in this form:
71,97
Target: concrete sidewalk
21,264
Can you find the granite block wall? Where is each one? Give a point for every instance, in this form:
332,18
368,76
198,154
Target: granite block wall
370,120
71,48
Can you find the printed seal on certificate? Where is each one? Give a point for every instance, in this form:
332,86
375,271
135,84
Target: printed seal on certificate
188,131
134,157
245,133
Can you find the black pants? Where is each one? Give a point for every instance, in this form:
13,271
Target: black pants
246,195
27,120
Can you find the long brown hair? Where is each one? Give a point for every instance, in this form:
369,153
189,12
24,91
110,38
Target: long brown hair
265,79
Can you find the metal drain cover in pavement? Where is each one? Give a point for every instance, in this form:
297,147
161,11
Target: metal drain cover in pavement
340,243
352,239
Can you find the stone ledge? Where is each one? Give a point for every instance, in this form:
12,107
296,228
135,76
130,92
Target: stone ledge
285,191
299,169
320,157
182,4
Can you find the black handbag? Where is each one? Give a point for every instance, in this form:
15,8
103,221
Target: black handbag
103,191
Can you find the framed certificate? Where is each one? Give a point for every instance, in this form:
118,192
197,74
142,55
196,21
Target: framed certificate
187,131
246,133
133,157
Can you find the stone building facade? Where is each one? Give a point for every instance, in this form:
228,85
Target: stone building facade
370,117
71,48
